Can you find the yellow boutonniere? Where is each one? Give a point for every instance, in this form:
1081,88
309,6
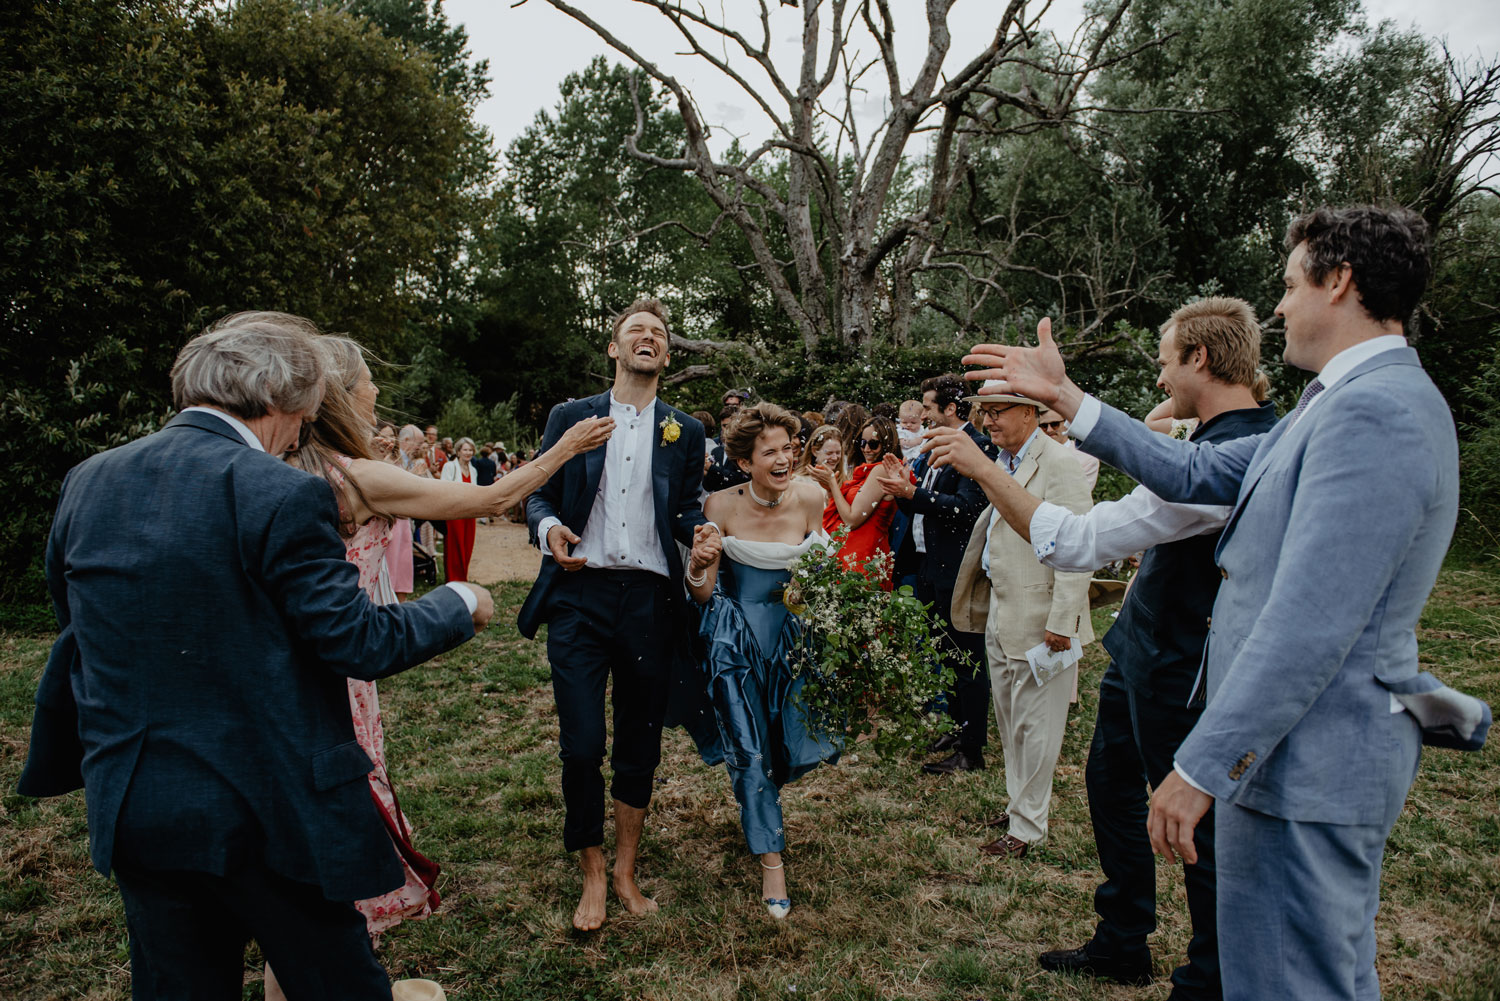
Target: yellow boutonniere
670,430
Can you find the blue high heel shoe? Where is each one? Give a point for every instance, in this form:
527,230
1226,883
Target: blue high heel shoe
778,909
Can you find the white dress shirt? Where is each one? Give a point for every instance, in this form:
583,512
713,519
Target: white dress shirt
239,426
621,530
1113,530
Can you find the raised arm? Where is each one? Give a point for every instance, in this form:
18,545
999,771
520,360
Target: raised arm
397,492
1178,471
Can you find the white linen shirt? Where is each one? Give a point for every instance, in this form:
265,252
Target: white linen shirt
621,530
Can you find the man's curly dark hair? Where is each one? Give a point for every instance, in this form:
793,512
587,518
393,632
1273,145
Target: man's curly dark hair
1386,248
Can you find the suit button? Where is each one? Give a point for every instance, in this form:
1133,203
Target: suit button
1210,622
1223,573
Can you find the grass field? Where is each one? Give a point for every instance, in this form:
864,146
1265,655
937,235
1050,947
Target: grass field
892,898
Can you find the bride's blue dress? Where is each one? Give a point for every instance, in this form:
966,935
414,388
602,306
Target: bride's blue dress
754,671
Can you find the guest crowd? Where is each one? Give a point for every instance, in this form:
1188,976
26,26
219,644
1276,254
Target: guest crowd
1265,635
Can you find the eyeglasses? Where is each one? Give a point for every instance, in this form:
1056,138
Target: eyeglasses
1052,425
868,443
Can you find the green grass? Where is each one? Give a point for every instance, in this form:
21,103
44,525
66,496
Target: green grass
892,899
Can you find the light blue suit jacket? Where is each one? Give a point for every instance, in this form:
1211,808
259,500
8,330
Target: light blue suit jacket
1339,527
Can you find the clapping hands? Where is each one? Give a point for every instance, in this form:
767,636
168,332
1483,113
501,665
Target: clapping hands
894,477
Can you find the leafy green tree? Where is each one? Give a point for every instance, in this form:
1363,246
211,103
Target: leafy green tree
166,162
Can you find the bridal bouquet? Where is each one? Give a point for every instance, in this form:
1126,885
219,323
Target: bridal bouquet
871,659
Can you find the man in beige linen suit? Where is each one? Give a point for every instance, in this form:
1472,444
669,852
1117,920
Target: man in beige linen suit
1003,592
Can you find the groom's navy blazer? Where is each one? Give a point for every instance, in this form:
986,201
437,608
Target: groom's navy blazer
676,479
198,690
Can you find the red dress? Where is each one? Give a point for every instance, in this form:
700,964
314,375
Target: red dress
872,537
458,545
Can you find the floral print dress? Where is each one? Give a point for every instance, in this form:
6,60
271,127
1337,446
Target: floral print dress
366,549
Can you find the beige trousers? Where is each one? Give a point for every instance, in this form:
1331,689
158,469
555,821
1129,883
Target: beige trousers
1032,719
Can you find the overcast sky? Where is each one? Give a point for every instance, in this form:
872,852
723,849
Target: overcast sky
531,49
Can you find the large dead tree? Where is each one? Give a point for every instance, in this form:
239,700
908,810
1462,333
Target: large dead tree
852,253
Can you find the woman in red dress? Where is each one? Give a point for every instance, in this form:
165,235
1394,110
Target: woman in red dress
458,544
859,503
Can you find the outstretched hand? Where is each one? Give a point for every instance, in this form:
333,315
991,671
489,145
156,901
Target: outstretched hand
1036,373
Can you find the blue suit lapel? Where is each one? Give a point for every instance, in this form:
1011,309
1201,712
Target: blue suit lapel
593,462
662,467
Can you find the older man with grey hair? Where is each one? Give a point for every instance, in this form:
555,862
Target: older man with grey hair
196,691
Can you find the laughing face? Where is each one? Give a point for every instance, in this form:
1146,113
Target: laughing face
640,345
770,465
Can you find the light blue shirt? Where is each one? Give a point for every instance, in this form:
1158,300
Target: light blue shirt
1010,463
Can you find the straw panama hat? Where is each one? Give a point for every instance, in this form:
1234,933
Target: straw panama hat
977,399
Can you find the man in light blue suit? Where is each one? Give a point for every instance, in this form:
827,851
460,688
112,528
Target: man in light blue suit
1341,516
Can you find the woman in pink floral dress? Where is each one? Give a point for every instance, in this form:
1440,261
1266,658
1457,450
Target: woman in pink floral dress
372,496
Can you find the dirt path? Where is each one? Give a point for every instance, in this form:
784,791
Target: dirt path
501,552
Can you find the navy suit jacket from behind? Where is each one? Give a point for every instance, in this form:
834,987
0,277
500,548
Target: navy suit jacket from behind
197,690
676,479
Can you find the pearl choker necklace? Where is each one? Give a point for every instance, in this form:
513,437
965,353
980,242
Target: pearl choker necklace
764,503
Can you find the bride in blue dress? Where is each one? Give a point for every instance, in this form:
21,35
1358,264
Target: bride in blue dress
752,642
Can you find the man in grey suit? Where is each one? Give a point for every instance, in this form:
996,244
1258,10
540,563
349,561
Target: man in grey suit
1341,516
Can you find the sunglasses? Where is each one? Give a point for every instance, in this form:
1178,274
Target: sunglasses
1052,425
870,443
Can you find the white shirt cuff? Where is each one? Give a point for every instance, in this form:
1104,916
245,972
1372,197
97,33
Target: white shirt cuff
1188,779
1088,415
541,533
467,594
1045,521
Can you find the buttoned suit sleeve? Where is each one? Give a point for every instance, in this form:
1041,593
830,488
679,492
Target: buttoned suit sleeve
1333,576
1066,487
301,564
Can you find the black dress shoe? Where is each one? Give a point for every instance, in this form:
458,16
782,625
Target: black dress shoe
958,761
946,742
1133,969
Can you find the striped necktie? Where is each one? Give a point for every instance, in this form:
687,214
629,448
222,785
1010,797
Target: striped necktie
1313,389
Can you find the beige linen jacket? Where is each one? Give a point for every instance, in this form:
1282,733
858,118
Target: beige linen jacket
1035,599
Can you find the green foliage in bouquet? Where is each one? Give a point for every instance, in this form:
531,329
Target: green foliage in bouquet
872,660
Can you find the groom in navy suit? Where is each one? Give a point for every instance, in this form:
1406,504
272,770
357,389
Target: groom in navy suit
610,590
197,688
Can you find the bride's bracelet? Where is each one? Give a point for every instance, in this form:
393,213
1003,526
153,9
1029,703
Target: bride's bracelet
699,580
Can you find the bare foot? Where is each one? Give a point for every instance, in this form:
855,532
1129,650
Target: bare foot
630,895
590,912
630,821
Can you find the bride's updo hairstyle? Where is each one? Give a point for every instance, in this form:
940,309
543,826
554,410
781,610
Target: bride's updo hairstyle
749,423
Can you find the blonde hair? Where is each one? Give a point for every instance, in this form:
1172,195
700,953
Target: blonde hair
1227,329
340,430
819,438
